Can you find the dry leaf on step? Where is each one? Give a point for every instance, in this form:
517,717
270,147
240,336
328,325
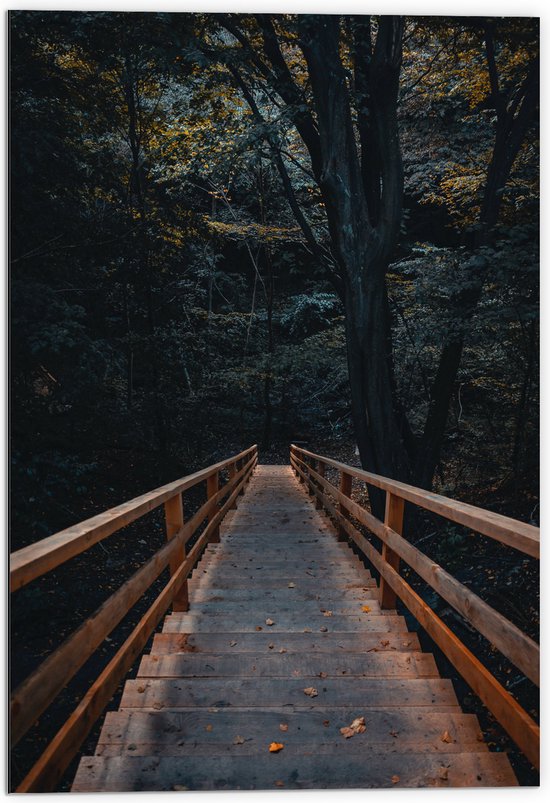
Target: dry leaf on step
208,728
365,609
239,740
357,726
232,643
444,773
274,747
395,779
291,585
446,737
327,613
269,622
283,727
385,642
310,691
280,784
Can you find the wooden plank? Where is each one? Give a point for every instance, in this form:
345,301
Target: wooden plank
345,490
396,729
212,485
395,508
516,534
173,514
48,770
375,770
284,623
36,559
335,643
272,664
261,693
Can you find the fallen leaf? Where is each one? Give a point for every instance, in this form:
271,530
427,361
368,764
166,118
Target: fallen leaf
385,642
323,629
270,646
395,779
158,706
179,788
365,609
291,585
208,727
307,630
269,622
283,727
310,691
446,737
212,710
357,726
323,675
347,733
274,747
141,689
232,643
444,773
327,613
282,649
395,734
239,740
326,722
258,627
279,783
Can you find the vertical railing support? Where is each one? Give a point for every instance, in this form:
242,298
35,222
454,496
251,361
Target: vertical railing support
212,486
395,507
232,469
239,464
345,488
173,514
321,471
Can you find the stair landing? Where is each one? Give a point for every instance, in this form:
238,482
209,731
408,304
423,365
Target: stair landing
284,644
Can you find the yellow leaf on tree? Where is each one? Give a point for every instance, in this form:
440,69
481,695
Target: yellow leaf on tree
274,747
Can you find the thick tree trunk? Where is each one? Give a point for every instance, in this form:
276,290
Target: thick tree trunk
378,424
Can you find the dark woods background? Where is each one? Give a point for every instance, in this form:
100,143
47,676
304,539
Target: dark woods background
167,307
230,229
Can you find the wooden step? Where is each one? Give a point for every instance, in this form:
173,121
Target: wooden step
294,771
182,732
283,693
297,591
362,643
284,622
295,665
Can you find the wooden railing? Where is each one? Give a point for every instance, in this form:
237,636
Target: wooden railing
521,650
38,691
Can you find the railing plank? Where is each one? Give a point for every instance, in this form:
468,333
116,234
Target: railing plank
395,507
517,534
36,559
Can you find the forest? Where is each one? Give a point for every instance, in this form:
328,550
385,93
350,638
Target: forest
229,229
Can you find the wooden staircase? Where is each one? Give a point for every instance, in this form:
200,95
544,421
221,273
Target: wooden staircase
283,646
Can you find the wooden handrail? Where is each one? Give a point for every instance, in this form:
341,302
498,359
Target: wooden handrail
39,690
503,634
517,534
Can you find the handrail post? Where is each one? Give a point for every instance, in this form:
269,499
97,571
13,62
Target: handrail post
239,464
321,472
232,470
212,486
173,514
395,506
345,488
